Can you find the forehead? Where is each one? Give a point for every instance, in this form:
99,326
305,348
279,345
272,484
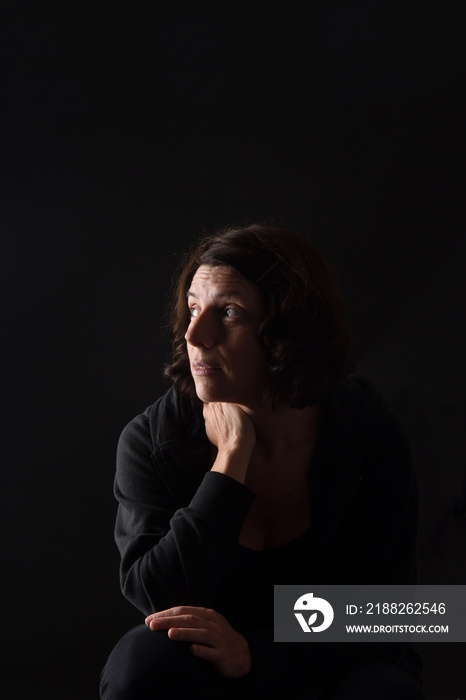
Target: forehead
223,281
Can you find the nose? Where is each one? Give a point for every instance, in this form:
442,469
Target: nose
201,331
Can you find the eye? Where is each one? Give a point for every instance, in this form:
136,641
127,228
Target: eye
194,311
231,313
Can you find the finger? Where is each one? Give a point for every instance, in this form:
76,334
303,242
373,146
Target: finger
191,621
178,610
201,636
207,653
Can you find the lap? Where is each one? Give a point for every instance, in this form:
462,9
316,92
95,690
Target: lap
377,679
146,665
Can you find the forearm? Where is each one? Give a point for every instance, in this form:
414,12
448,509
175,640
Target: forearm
185,564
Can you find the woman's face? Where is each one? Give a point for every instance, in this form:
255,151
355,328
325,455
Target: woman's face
227,361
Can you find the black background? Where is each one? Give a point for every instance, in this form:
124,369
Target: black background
125,131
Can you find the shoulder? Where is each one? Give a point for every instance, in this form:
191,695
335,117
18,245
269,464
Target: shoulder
358,396
165,448
171,418
361,418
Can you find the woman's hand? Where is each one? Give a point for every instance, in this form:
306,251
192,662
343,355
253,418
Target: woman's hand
231,430
229,427
212,637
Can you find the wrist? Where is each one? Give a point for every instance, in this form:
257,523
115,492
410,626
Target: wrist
233,462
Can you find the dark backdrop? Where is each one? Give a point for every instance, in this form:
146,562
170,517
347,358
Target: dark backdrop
127,130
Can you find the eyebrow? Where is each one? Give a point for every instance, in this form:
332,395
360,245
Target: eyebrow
232,294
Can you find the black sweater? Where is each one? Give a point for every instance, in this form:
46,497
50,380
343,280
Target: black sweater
178,523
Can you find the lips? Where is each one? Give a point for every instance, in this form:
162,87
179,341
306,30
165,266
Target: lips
202,368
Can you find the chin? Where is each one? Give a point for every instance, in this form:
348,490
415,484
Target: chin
211,395
207,395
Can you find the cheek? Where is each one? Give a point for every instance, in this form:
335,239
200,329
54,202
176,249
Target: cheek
254,359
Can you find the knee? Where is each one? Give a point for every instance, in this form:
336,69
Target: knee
147,665
143,665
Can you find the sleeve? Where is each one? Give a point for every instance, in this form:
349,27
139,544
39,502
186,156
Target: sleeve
171,555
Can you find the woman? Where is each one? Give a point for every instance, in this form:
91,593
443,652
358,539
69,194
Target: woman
265,463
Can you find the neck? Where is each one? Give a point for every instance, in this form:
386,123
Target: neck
284,427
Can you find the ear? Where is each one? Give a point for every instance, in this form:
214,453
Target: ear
266,342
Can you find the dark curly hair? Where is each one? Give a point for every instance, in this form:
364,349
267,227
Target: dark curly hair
303,329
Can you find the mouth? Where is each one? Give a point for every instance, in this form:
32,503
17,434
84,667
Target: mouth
201,369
